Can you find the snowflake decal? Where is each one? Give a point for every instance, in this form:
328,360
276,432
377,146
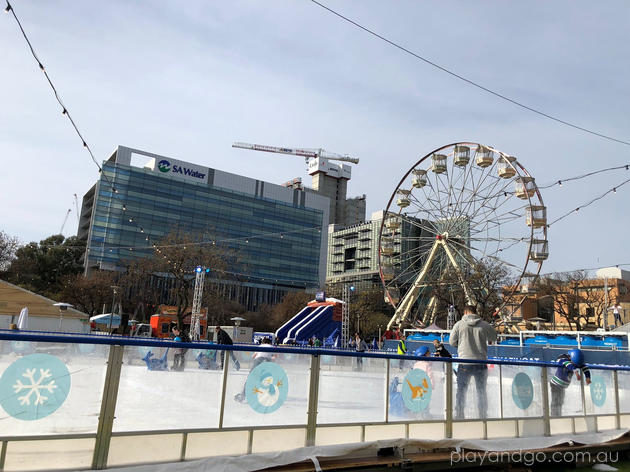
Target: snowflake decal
34,386
598,391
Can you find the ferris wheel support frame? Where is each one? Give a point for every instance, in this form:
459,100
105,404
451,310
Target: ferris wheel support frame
404,307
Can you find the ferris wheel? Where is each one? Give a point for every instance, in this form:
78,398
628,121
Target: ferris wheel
459,205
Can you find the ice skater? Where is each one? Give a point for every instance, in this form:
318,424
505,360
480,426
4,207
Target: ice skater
224,338
179,359
573,361
259,357
360,346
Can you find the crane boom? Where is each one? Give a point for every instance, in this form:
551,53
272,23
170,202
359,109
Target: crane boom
63,225
76,205
306,153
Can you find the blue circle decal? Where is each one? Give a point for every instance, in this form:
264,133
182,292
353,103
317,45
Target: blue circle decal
598,391
417,390
34,386
522,390
267,387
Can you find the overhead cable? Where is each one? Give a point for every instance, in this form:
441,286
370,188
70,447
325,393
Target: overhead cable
468,81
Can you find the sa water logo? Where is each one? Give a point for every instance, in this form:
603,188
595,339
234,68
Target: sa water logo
522,390
164,165
267,387
416,390
34,386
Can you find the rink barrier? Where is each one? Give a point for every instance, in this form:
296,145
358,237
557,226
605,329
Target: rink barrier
104,435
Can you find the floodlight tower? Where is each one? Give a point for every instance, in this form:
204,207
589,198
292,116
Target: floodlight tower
195,317
345,315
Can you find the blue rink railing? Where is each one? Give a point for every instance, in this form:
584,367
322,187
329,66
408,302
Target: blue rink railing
80,402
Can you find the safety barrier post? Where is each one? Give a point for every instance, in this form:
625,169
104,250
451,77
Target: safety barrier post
108,407
501,390
226,363
448,432
313,393
617,406
545,400
387,380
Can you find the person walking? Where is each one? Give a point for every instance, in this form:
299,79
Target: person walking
617,314
224,338
572,361
361,346
471,336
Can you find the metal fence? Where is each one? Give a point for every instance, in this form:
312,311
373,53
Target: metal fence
93,402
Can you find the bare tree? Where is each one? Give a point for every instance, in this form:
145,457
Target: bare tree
567,292
89,294
174,260
485,280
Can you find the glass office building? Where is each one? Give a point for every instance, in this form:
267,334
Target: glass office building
141,197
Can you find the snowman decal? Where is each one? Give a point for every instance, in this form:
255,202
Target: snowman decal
267,387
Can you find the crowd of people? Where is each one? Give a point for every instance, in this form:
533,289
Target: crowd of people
470,336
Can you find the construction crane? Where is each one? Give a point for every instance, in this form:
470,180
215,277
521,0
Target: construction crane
76,205
63,225
305,153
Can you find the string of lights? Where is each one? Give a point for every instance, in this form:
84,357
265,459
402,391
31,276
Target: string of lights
583,176
585,205
468,81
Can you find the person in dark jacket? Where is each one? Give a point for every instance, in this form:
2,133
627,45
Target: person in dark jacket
573,361
360,346
224,338
179,360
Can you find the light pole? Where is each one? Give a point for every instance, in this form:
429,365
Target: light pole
62,307
111,315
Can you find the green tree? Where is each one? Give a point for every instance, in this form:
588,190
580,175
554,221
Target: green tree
8,246
42,267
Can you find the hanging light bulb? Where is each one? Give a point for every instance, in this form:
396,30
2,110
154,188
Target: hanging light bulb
615,190
7,9
124,207
64,111
141,230
130,220
560,183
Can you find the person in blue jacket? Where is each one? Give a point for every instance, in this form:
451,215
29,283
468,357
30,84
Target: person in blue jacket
571,362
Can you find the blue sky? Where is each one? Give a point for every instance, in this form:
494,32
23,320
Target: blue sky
186,79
